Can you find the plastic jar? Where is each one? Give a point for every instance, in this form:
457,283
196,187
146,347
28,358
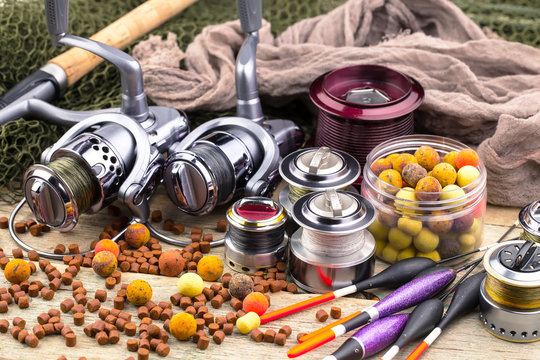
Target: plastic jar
436,229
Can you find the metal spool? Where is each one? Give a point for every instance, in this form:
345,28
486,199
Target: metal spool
510,294
363,105
315,169
332,248
256,238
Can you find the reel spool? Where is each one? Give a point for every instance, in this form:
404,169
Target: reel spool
256,238
332,249
510,294
362,106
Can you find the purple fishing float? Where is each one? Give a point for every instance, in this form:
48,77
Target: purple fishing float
371,338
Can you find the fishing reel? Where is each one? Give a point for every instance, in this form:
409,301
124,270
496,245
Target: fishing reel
107,155
230,155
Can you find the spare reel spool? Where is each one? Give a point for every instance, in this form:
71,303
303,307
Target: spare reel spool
362,106
315,169
256,238
510,294
332,249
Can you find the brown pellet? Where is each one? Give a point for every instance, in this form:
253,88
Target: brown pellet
281,276
103,313
38,331
202,311
220,320
280,339
43,318
218,337
19,322
227,328
79,308
197,256
134,267
117,275
124,266
110,319
48,328
177,229
4,221
191,310
125,316
231,318
118,302
217,301
71,340
321,315
153,330
208,293
66,330
24,302
110,282
269,336
200,324
258,288
163,349
93,305
102,338
20,227
257,335
212,328
205,247
59,249
22,335
156,216
335,312
58,327
73,248
4,306
143,312
31,340
114,336
201,298
54,319
132,344
236,304
208,237
203,343
7,298
240,313
101,295
33,255
67,278
275,286
221,226
55,274
55,284
130,329
79,290
81,299
3,262
292,288
17,253
14,331
155,312
32,267
166,314
4,326
122,293
176,298
198,304
143,354
168,224
153,270
286,329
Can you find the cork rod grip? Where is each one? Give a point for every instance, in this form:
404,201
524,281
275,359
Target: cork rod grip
146,17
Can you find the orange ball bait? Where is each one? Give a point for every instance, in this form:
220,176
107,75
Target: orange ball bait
104,263
171,263
391,177
17,271
428,188
107,245
467,157
399,162
380,165
182,326
210,268
427,157
445,173
139,292
450,158
137,235
256,302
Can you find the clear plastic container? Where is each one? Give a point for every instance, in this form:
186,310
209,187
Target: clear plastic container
436,229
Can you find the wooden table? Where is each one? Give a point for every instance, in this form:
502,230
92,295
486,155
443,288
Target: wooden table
465,339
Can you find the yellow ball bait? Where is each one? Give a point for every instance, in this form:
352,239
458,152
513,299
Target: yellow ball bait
182,326
210,268
139,292
190,284
248,322
17,271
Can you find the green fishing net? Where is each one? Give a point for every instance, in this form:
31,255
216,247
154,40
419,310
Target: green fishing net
26,46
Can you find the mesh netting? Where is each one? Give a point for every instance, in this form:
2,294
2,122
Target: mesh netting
26,46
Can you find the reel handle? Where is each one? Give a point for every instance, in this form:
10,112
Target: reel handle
57,12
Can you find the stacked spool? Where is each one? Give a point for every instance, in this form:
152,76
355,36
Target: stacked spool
332,249
362,106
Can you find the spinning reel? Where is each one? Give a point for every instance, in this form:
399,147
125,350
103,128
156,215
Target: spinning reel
107,155
228,156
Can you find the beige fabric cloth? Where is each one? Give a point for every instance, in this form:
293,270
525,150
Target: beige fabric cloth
471,81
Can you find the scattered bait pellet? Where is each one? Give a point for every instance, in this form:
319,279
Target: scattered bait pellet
132,344
71,340
335,312
280,339
228,328
218,337
257,335
163,349
4,326
31,339
269,336
212,328
101,295
142,354
321,315
203,343
286,329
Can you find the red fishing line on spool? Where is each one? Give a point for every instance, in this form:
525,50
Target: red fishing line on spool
361,106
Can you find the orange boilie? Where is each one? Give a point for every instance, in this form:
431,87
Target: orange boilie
137,235
107,245
171,263
255,302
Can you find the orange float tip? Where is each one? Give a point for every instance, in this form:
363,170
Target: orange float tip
420,349
312,343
